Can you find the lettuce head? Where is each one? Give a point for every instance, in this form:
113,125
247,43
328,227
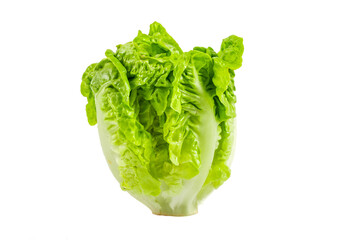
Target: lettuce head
166,118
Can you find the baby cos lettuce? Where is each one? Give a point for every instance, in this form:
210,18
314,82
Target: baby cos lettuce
165,117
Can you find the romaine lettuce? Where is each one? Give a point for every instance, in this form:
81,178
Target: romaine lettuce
165,117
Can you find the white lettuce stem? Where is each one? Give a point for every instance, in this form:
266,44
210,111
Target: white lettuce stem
183,210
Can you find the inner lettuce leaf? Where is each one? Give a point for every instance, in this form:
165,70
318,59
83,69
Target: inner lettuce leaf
166,118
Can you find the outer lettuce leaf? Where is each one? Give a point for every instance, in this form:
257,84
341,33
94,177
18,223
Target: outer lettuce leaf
130,143
165,117
230,58
231,52
86,92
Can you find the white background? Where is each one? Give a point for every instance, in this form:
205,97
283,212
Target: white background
296,172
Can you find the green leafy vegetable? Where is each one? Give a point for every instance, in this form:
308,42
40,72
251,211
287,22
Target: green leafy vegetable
165,117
